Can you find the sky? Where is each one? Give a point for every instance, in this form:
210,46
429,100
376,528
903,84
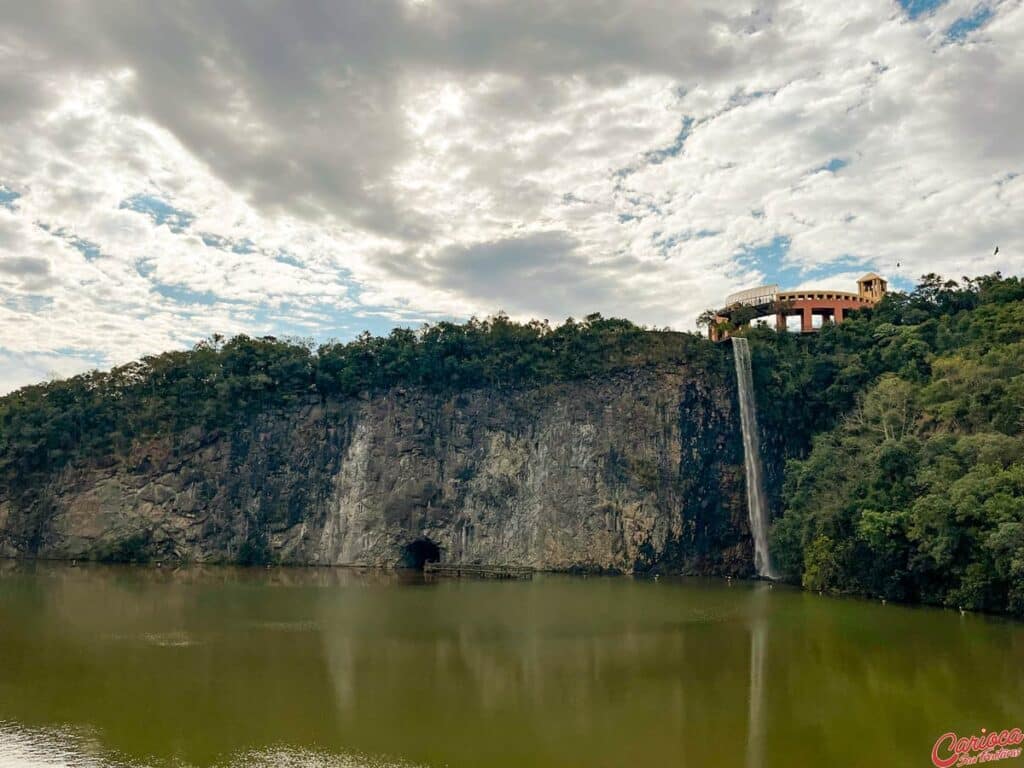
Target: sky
173,170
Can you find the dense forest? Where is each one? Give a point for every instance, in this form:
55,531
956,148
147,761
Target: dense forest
894,442
905,432
220,383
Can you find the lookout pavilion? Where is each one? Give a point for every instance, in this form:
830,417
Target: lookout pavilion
814,307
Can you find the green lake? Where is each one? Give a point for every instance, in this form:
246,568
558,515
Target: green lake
201,666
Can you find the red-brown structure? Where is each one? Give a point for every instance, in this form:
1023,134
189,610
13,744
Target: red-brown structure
815,308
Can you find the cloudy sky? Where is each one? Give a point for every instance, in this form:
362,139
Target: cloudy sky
170,170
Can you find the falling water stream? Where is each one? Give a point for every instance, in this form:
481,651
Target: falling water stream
756,503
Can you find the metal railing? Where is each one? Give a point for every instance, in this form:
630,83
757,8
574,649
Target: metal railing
762,294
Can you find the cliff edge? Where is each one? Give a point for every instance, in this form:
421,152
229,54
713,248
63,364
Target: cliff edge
633,471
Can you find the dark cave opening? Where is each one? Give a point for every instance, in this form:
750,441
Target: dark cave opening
420,552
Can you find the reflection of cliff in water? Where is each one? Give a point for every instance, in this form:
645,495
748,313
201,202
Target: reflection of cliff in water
131,655
545,662
550,672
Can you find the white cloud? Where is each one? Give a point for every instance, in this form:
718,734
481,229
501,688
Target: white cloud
405,161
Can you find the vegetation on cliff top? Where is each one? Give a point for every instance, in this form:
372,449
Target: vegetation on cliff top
220,382
903,427
912,487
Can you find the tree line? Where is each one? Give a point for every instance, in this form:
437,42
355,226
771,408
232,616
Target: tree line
221,381
894,441
906,480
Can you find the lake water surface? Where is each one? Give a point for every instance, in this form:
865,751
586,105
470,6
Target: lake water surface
129,666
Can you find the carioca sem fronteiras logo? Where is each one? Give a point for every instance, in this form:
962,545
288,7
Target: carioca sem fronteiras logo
952,750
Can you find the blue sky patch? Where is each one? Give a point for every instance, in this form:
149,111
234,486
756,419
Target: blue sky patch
332,323
7,197
658,156
214,241
833,165
87,248
245,245
284,320
85,354
915,8
770,260
962,27
32,302
378,325
901,283
185,295
842,264
160,211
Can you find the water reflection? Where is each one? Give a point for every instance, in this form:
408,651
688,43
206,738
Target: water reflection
65,748
206,666
758,639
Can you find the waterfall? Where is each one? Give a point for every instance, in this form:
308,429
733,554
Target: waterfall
756,505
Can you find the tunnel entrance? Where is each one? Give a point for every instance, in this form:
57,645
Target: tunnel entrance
420,552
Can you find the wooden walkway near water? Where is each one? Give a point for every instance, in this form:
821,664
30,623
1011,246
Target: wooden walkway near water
479,571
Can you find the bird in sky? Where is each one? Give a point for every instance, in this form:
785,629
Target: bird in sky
996,252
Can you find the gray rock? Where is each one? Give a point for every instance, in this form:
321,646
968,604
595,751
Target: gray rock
628,472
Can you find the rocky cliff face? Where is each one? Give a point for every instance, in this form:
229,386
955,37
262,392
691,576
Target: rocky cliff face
635,471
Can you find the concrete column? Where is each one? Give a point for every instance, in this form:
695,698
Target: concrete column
780,322
805,322
839,315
